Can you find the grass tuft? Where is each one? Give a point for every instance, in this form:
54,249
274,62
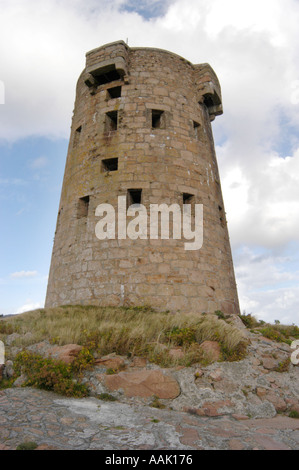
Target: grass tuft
128,331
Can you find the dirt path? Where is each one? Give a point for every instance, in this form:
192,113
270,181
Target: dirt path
54,422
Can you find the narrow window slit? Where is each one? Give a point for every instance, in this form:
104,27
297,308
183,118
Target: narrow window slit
158,119
77,136
82,208
111,121
134,196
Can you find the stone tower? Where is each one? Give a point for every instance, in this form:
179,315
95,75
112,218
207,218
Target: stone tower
141,129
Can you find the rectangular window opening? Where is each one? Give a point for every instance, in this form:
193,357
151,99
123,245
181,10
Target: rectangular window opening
158,119
111,121
77,136
188,198
134,196
114,92
108,76
110,164
82,208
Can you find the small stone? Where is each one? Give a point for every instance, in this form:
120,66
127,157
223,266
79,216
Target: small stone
9,371
216,375
255,361
110,362
198,373
269,363
138,362
211,349
261,391
214,409
20,381
278,402
176,353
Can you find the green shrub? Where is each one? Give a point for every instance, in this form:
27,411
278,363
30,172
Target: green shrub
106,397
49,374
272,333
181,336
28,445
283,366
249,321
156,403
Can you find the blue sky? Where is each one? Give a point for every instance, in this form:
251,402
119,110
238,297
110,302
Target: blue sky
253,47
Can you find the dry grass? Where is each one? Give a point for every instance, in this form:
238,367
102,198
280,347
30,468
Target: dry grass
126,331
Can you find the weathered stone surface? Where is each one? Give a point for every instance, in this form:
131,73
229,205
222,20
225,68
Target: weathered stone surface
54,422
211,349
9,370
66,353
144,383
139,362
269,363
11,338
215,408
176,353
20,381
111,361
278,402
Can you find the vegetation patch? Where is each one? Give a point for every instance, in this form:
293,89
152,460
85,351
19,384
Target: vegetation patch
156,403
106,397
49,374
275,332
128,331
28,445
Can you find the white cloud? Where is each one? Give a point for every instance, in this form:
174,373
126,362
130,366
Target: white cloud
38,163
23,274
268,284
29,305
262,202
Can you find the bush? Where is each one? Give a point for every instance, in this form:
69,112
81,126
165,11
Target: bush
249,321
49,374
28,445
181,336
106,397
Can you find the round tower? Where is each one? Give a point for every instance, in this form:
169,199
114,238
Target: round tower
141,134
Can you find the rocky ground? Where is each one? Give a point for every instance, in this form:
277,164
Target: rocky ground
225,405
